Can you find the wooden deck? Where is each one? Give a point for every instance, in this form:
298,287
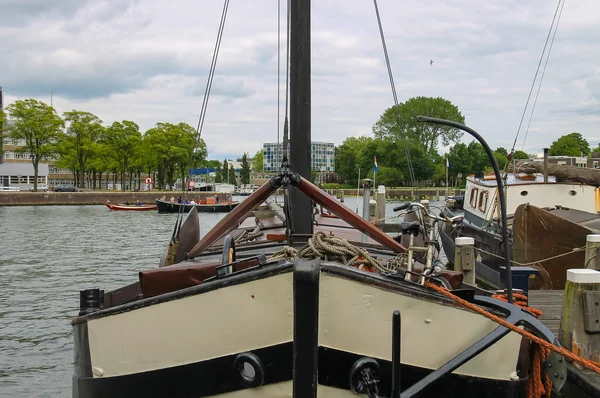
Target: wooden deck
550,303
582,382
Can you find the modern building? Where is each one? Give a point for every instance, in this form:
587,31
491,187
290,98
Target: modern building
322,156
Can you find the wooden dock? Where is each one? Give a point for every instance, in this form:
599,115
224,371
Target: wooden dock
581,382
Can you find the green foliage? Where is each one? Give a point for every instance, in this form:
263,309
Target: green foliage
39,126
570,145
388,176
257,162
225,171
81,141
218,174
232,179
425,134
521,155
245,171
170,147
123,141
349,153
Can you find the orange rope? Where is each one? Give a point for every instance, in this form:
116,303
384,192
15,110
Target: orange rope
540,384
544,346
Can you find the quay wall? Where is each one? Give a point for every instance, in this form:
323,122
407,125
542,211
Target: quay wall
27,198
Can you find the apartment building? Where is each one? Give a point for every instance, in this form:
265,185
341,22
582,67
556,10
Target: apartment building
322,156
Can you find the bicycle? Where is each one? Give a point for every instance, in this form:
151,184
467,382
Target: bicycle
426,225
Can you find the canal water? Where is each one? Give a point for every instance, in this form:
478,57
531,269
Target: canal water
47,255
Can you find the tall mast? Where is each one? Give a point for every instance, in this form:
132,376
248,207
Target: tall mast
300,137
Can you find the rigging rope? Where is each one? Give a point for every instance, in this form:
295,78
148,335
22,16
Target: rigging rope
211,73
535,77
543,73
389,68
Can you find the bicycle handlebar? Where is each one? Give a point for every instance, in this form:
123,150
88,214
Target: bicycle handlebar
407,205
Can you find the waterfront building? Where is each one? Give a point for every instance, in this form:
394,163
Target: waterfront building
16,169
322,156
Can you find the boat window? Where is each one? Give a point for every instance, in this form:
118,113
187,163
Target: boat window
483,199
572,192
473,198
524,193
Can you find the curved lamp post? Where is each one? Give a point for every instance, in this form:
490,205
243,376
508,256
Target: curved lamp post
426,119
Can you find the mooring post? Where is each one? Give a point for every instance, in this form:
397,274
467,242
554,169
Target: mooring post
592,252
580,318
464,258
380,199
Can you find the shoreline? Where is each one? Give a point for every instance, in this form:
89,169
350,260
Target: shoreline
27,198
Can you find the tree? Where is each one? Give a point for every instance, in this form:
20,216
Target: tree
83,134
171,148
39,126
570,145
232,179
2,121
245,171
219,174
427,134
257,162
225,171
520,155
124,141
349,156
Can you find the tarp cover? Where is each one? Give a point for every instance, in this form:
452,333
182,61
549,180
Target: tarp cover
561,172
538,234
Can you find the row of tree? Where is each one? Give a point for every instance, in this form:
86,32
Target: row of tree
400,141
88,148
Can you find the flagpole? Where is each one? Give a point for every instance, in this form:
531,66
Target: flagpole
446,198
357,190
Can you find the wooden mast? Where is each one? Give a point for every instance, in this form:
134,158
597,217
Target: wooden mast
300,115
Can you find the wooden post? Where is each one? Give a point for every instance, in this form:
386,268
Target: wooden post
580,319
464,258
341,195
592,252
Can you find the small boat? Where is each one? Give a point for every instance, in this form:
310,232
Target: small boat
173,207
121,206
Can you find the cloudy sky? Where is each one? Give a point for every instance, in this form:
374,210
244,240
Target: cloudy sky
148,61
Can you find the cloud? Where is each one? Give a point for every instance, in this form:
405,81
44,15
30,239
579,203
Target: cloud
148,61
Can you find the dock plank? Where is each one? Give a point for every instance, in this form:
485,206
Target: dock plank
550,303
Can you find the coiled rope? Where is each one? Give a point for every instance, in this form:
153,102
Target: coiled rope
332,248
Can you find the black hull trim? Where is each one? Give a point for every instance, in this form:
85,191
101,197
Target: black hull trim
169,207
219,375
489,270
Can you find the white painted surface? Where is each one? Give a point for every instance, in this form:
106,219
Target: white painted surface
593,238
538,193
464,241
583,275
353,317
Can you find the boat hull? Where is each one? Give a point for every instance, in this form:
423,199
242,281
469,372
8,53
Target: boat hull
542,238
184,343
171,207
131,207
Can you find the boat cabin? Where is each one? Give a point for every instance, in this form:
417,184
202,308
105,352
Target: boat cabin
481,194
